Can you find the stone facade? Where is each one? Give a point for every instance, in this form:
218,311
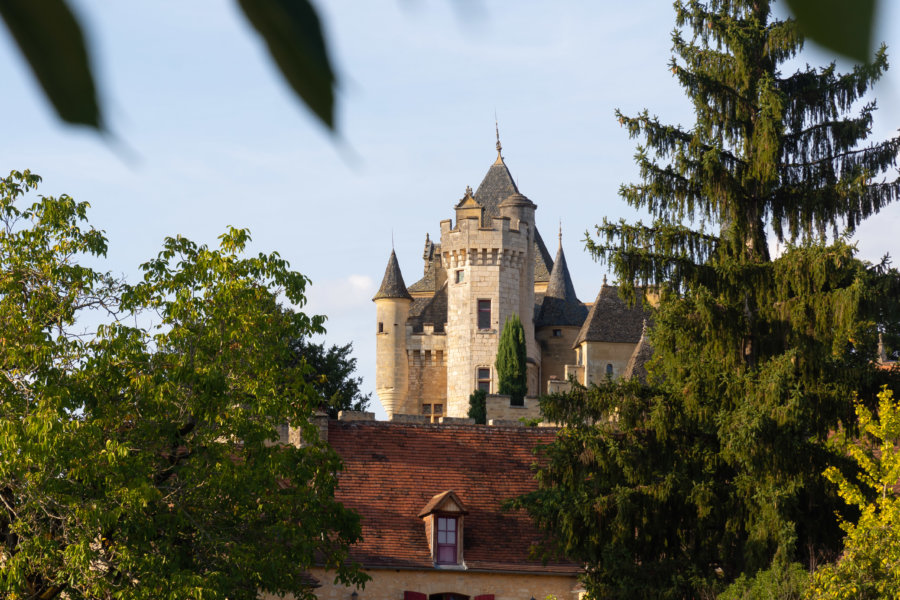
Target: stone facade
390,584
437,340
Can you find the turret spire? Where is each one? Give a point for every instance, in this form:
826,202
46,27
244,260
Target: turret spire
392,285
499,147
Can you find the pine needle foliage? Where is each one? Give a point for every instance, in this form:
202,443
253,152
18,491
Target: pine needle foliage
715,469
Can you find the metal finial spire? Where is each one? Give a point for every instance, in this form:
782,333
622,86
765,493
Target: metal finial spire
497,130
560,233
604,279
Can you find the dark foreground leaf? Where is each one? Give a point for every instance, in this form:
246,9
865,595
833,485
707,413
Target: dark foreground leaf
841,26
51,40
293,34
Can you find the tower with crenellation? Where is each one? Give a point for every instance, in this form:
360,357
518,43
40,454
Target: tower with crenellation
437,339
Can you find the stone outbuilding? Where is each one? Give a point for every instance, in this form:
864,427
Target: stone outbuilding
430,497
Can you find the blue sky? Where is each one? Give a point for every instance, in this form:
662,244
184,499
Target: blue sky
207,135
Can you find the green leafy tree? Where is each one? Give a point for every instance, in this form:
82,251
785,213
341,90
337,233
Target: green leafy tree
870,564
478,407
510,362
715,469
139,463
331,375
781,582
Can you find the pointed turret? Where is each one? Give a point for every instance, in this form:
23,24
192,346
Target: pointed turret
497,186
561,305
637,364
392,303
561,285
392,285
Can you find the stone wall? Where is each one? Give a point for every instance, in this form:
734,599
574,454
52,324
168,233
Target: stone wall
427,352
599,354
491,262
498,408
556,353
389,584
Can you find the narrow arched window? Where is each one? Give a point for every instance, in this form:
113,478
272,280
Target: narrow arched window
609,369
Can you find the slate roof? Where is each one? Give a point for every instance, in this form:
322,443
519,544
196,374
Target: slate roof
637,364
496,187
392,285
428,283
429,310
392,470
610,319
560,305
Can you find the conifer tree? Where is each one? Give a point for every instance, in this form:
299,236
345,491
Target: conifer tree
510,362
715,469
478,407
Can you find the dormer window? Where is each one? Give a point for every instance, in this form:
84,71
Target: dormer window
443,517
446,541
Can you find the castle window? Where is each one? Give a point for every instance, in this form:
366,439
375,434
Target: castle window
609,370
484,380
460,276
557,333
433,411
484,314
380,327
446,540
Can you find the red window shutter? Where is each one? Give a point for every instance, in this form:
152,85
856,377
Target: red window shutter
418,596
485,597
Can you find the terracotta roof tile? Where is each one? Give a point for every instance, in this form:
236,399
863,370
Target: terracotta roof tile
392,470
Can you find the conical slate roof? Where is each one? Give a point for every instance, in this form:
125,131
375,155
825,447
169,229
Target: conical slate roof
561,285
560,305
497,186
392,285
611,320
637,364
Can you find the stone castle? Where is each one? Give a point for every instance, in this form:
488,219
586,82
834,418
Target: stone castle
437,339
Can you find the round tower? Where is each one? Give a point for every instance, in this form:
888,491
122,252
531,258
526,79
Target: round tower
392,304
487,264
520,212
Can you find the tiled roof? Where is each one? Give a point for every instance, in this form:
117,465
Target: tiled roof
560,305
637,364
429,310
392,470
611,320
496,187
392,285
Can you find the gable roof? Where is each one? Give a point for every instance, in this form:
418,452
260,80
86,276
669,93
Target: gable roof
496,187
444,501
391,470
392,285
560,305
611,320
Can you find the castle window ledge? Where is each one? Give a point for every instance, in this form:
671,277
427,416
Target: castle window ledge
486,331
448,567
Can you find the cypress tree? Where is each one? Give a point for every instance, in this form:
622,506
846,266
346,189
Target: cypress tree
510,362
478,407
715,469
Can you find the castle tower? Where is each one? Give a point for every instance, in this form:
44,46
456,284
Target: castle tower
490,273
392,304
